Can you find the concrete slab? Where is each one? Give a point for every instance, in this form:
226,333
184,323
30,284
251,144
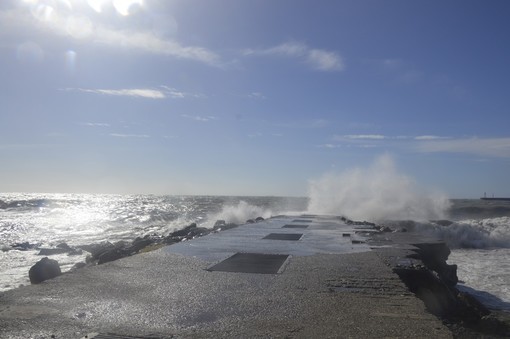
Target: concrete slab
284,236
328,288
252,263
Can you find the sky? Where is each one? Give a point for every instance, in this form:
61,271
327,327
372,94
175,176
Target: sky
235,97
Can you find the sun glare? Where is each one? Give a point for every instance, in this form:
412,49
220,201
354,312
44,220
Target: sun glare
122,7
97,5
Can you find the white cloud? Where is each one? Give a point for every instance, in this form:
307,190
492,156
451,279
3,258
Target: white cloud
199,118
56,19
136,92
362,137
176,94
329,146
494,147
95,124
429,137
118,135
257,95
485,147
317,58
149,42
148,93
324,60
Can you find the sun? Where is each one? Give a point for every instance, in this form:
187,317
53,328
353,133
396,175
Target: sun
123,7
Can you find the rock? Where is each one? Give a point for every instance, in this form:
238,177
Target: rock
24,246
189,232
169,240
257,219
139,244
97,249
448,274
219,223
385,229
185,231
51,251
229,226
198,232
250,221
60,249
111,255
77,266
43,270
64,246
443,222
75,251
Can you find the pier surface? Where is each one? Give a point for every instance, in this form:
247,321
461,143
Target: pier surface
292,277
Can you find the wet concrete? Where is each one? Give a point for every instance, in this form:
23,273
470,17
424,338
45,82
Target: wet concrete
331,284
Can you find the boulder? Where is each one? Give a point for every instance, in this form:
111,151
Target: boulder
64,246
43,270
24,246
219,223
112,255
52,251
250,221
169,240
97,249
77,266
185,231
138,244
198,232
257,219
60,249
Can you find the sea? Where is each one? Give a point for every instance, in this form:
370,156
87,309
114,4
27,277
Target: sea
477,231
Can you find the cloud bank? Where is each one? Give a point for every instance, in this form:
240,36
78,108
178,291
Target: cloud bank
489,147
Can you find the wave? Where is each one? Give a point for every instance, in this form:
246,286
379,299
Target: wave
471,233
24,204
238,214
378,192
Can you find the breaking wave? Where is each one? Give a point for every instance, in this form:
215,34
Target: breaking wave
238,214
376,193
471,233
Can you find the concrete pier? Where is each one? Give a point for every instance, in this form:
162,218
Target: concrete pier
288,277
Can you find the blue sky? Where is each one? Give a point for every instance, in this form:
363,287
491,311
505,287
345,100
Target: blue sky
251,97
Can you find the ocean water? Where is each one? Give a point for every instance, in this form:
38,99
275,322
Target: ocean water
46,220
478,232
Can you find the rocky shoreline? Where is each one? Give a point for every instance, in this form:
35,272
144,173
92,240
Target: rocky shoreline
422,267
100,253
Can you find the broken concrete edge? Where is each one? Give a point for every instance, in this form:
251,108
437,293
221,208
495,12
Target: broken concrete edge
423,268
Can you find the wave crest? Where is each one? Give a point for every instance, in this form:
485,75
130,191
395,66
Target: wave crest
470,233
376,193
238,214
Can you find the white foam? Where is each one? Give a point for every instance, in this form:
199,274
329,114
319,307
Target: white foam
484,233
487,272
238,214
376,193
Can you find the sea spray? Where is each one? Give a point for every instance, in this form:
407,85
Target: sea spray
376,193
471,233
238,214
